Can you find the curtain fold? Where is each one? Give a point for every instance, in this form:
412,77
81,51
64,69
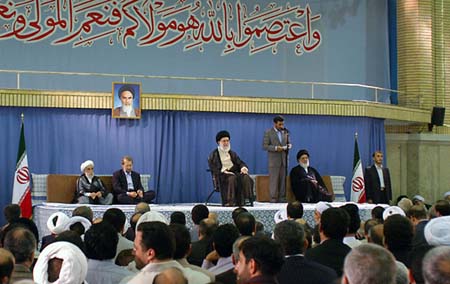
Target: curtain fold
173,146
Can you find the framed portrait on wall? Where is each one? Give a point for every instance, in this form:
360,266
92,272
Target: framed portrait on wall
126,100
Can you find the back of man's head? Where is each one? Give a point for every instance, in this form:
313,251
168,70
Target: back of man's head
157,236
355,221
116,218
245,222
207,227
142,207
377,213
134,219
266,253
73,238
21,243
6,265
295,210
291,236
223,239
83,211
12,212
236,212
178,217
398,232
418,212
170,276
182,240
442,208
369,264
376,235
101,241
199,212
436,266
369,224
416,257
334,223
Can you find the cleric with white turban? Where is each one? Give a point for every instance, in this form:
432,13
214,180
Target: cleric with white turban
90,188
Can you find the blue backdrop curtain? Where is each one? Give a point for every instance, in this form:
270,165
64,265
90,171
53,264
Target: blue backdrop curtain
173,146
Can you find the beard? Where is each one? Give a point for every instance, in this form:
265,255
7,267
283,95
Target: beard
90,176
304,165
225,149
127,109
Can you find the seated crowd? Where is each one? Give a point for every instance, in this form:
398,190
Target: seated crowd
409,243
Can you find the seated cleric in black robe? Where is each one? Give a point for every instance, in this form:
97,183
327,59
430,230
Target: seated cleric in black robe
231,172
306,182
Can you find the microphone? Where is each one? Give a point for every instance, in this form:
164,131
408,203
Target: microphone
285,130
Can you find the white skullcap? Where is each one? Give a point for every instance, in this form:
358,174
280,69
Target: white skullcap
152,216
419,197
59,225
446,194
280,216
437,231
392,210
85,164
322,206
74,265
77,219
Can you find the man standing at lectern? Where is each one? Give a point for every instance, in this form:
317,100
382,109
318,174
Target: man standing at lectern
127,185
276,143
378,181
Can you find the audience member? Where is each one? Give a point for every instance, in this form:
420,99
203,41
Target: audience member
213,216
236,212
78,224
154,247
442,208
259,230
401,274
178,217
260,259
117,218
416,259
84,211
405,204
12,213
332,251
294,210
101,245
229,277
198,213
245,223
447,196
393,210
55,224
355,223
367,226
152,216
170,276
6,266
223,239
202,247
377,213
131,231
60,261
437,231
22,244
73,238
183,247
142,207
291,236
419,218
398,234
400,197
124,258
436,266
369,264
376,235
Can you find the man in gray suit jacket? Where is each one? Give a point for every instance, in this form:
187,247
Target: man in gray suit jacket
276,143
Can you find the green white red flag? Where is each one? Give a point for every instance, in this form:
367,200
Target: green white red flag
21,188
358,189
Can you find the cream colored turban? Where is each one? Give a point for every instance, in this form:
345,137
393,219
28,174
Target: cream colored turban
150,217
85,164
58,226
437,231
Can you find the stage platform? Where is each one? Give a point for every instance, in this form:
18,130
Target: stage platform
263,212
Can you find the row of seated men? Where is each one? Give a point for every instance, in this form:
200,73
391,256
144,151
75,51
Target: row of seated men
96,251
127,186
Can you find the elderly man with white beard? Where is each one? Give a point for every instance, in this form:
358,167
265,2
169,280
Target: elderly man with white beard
230,172
90,188
306,182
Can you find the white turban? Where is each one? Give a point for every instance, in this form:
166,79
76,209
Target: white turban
437,231
59,226
77,219
392,210
74,265
150,217
419,197
280,216
85,164
322,206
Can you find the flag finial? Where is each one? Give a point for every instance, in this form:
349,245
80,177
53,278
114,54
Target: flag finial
22,116
356,134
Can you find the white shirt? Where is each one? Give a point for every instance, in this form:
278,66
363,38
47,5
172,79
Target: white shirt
351,242
380,174
129,180
105,272
223,264
225,159
123,244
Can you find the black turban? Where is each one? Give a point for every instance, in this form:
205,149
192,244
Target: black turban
301,153
222,134
125,88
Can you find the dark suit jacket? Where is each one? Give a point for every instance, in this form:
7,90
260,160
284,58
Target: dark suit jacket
419,234
372,183
120,185
227,277
302,187
298,269
215,165
200,250
330,253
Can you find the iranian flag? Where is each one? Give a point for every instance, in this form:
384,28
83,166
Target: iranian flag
358,192
21,189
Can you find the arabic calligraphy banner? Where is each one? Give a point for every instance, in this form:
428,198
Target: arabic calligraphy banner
324,41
